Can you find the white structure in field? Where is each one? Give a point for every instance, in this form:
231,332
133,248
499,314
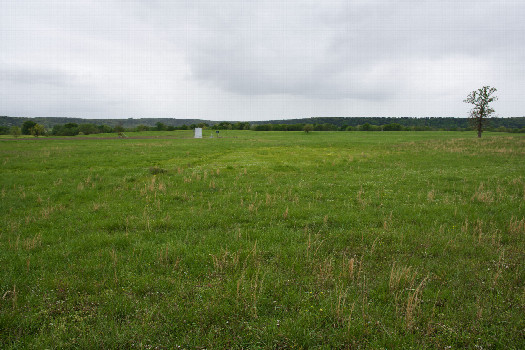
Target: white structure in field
198,133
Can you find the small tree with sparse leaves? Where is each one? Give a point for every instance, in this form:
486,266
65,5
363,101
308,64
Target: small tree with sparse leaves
307,128
15,131
38,130
479,115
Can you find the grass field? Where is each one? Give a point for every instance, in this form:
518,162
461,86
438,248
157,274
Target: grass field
264,240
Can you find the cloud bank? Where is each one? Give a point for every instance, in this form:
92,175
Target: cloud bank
257,60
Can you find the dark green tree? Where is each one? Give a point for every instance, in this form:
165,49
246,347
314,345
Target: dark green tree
26,127
88,129
142,127
366,127
160,126
68,129
479,115
392,127
104,128
118,128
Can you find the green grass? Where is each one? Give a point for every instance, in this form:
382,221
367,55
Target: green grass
264,240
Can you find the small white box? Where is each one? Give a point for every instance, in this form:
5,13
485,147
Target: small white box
198,133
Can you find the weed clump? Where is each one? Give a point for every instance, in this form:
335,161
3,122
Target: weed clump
155,170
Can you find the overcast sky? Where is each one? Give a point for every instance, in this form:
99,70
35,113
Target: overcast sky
258,60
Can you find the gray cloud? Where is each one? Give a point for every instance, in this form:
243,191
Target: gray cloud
34,76
259,59
372,50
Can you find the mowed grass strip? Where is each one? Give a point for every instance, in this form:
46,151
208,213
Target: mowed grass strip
264,240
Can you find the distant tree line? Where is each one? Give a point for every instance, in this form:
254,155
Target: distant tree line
370,127
128,123
32,127
439,123
218,126
73,129
29,127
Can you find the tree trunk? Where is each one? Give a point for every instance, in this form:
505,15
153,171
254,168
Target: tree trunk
480,126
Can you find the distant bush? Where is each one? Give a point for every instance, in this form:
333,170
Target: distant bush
119,128
38,130
369,127
88,129
73,129
156,170
392,127
262,127
15,131
220,126
69,129
160,126
26,127
104,129
142,128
